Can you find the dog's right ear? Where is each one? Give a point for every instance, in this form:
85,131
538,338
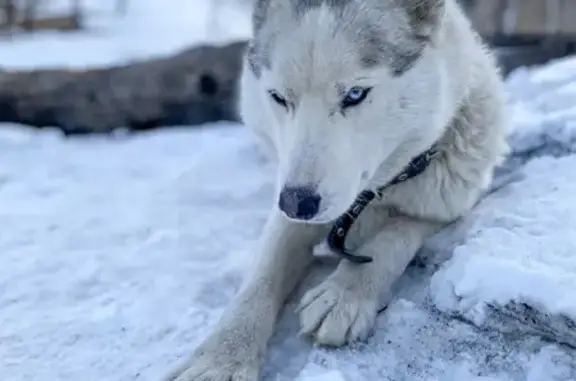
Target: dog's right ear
424,15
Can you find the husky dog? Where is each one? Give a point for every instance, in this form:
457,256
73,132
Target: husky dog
346,93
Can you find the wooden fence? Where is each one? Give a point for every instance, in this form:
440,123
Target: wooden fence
524,18
27,15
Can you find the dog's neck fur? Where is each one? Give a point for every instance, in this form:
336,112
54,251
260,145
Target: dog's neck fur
449,41
474,139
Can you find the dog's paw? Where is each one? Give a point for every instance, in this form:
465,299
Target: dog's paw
335,315
216,366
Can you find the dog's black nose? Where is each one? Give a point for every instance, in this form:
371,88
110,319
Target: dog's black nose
302,203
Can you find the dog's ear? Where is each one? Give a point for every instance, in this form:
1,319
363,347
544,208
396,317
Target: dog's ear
424,15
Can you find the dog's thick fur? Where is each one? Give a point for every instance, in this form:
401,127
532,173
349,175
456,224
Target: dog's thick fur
432,82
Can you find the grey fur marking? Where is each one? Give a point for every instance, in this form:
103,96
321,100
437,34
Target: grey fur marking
301,7
376,50
375,47
252,59
424,13
258,57
260,14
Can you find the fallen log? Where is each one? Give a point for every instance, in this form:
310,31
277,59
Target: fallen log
193,87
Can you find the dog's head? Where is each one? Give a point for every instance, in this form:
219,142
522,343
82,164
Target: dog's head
349,85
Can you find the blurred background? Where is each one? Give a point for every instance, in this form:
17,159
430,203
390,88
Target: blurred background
88,66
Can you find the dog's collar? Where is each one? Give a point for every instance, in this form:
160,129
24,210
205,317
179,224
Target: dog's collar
341,228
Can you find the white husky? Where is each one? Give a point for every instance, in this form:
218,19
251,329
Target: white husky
346,93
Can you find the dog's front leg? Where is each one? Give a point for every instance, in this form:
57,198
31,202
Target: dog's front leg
343,308
234,349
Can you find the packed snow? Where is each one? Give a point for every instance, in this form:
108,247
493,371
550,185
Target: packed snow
117,254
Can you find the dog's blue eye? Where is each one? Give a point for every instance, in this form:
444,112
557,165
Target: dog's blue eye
355,96
278,98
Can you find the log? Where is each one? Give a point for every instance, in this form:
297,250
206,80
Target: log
192,87
60,23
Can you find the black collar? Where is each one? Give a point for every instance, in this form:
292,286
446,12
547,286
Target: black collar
342,226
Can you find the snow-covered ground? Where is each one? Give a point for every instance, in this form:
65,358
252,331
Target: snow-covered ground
117,254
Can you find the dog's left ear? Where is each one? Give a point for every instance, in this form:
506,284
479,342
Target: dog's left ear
424,15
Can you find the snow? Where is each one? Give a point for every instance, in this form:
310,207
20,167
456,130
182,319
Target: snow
117,254
522,283
150,28
533,263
